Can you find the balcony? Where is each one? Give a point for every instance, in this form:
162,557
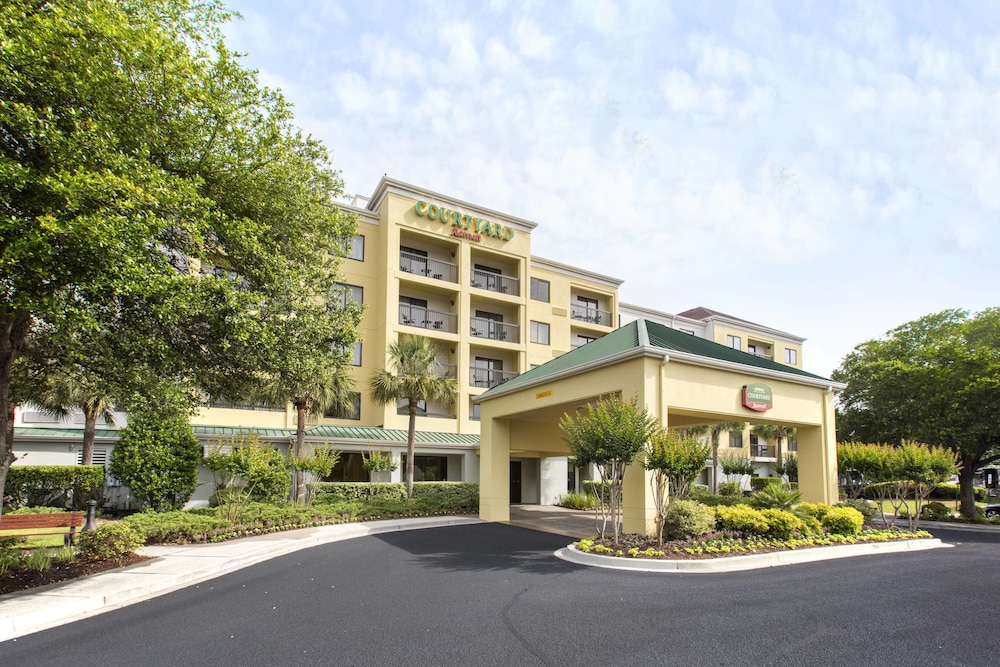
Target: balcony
762,451
425,318
496,282
447,370
494,330
488,377
425,266
589,314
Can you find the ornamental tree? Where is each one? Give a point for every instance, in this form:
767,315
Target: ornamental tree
935,380
155,192
676,461
609,435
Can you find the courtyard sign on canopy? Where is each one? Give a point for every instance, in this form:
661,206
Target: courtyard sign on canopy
757,397
463,225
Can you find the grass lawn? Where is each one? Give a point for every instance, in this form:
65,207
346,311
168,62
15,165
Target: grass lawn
44,540
952,505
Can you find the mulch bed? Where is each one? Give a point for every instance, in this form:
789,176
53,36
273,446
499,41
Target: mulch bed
11,582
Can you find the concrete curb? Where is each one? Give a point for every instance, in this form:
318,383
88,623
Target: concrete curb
750,562
173,568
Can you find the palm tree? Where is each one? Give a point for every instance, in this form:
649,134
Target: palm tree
414,359
714,431
69,388
778,433
328,392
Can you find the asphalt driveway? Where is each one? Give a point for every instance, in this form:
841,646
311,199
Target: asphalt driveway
491,594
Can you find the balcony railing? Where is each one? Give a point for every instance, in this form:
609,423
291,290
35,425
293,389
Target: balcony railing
425,266
488,377
425,318
762,451
484,328
592,315
496,282
447,370
762,355
432,412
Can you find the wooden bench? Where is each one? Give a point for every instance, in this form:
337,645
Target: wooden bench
37,522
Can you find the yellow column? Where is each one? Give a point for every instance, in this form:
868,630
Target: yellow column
494,468
638,509
817,454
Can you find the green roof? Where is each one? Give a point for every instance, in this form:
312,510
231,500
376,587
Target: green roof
657,337
365,433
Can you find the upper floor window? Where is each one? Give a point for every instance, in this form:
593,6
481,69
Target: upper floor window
540,333
345,294
735,439
734,342
540,290
353,412
356,248
356,354
791,356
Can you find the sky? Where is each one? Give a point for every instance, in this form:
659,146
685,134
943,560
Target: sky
826,169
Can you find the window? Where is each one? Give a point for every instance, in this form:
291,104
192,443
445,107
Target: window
487,372
734,342
354,412
474,412
412,310
736,440
540,333
540,290
428,468
356,354
412,260
488,325
261,406
487,277
754,439
345,294
752,349
791,356
403,407
349,468
793,444
356,248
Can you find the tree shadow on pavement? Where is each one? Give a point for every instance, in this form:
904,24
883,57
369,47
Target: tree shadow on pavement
484,547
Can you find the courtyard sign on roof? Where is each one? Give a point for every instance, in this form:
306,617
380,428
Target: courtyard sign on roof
757,397
462,225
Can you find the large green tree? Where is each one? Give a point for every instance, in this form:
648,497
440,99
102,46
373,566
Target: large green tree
934,380
414,378
153,190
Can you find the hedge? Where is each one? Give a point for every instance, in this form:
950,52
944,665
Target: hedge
761,483
43,485
950,492
452,496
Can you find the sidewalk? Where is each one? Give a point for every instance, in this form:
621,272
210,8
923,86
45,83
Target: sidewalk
173,568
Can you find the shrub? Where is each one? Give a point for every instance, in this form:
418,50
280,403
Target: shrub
781,524
774,496
730,489
935,511
157,457
43,485
947,491
698,489
460,497
597,489
814,510
578,501
761,483
687,518
176,526
332,492
111,541
742,519
867,508
844,520
712,500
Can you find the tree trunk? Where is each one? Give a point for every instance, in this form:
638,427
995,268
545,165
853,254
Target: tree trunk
966,492
13,335
715,464
90,413
410,436
300,438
